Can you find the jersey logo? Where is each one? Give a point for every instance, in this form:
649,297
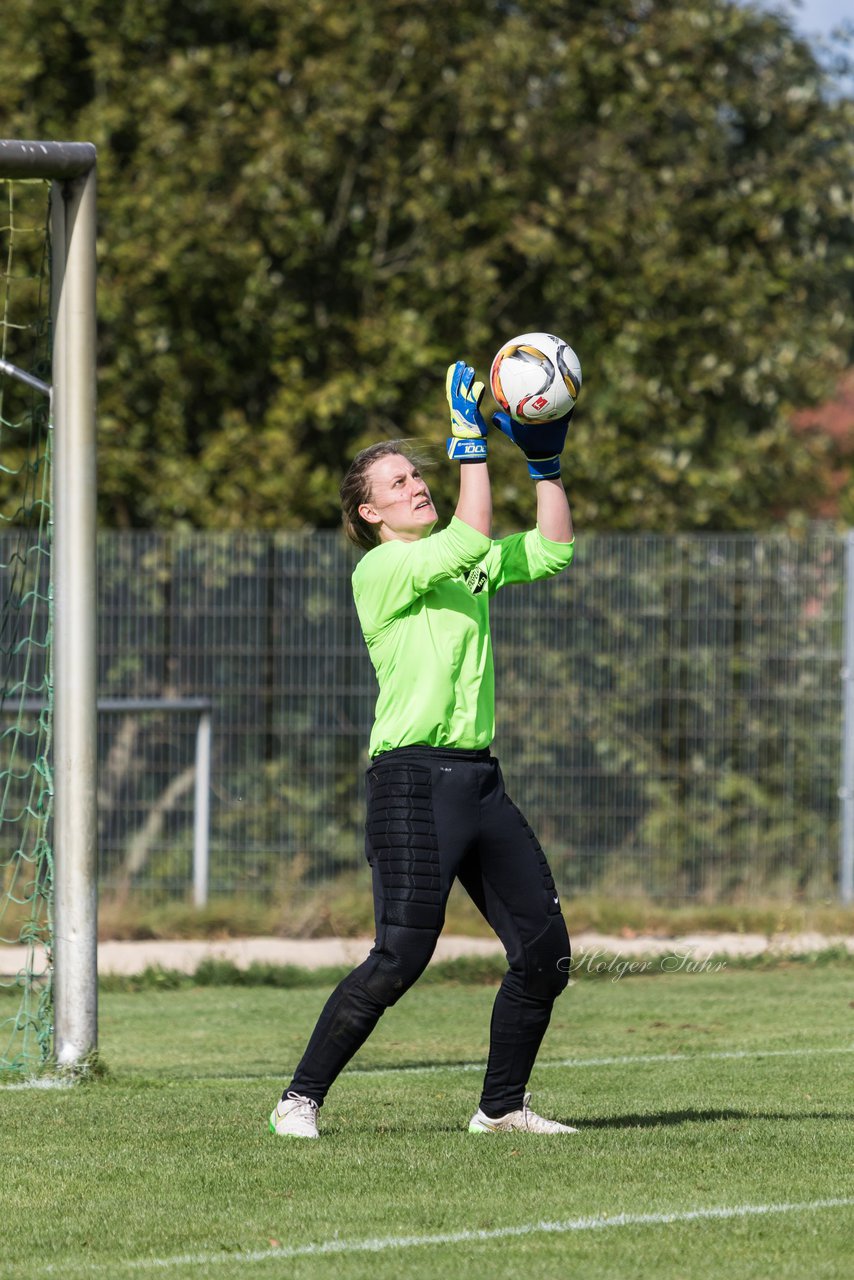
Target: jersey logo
476,580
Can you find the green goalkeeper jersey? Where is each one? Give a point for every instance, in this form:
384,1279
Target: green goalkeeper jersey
424,611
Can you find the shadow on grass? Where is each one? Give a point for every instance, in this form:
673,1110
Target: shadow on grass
656,1119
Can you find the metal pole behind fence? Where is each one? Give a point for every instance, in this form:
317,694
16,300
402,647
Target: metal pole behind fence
846,789
202,808
201,819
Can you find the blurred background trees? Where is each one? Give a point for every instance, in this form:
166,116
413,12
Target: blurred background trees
308,210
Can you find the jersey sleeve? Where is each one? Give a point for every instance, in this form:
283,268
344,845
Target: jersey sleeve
393,575
526,557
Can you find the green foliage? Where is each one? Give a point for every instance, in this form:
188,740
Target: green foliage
468,971
308,210
343,908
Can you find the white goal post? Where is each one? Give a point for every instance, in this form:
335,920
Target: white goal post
70,168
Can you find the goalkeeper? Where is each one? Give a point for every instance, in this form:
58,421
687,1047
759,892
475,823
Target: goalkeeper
436,805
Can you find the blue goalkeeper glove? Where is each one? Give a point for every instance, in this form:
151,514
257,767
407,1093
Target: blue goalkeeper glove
467,441
541,442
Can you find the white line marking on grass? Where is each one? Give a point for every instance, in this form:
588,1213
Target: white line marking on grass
41,1082
623,1060
383,1243
710,1056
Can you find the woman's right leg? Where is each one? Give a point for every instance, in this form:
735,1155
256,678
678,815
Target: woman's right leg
411,889
398,958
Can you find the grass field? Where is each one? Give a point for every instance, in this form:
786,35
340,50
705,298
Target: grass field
715,1108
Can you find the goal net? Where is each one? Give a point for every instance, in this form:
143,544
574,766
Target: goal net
26,705
48,846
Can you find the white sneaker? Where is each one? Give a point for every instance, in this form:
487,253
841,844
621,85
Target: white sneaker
524,1121
295,1117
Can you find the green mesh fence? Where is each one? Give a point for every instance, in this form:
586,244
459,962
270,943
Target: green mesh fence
26,793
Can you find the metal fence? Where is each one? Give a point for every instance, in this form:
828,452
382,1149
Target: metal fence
669,712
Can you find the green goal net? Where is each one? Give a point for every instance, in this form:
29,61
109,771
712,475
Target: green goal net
26,704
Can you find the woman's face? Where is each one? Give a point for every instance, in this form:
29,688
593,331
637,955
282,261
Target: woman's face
399,501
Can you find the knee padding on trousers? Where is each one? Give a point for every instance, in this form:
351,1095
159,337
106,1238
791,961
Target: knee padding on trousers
388,974
402,845
547,961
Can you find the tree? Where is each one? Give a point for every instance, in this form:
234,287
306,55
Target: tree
308,210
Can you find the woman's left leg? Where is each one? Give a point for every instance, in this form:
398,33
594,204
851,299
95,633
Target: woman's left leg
508,877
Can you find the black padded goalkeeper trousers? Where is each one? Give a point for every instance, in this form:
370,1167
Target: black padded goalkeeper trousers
433,815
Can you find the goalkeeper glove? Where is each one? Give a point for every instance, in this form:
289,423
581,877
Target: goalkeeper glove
467,441
541,442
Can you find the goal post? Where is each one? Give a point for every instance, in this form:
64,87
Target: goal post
70,168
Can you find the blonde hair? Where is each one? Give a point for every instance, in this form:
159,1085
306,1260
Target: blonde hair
355,490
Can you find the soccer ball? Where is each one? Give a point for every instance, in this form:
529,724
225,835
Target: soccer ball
536,377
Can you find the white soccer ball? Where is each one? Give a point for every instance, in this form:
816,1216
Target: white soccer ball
536,377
